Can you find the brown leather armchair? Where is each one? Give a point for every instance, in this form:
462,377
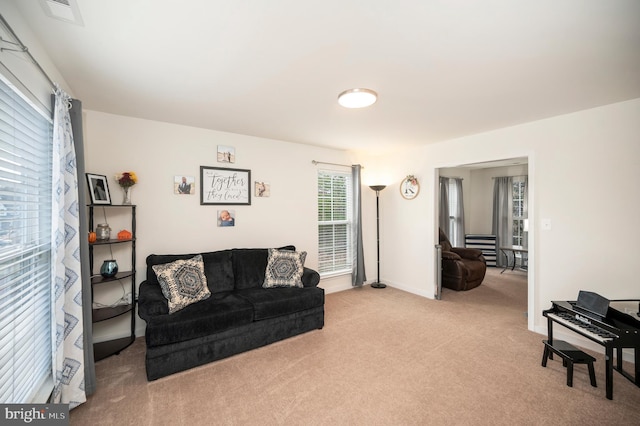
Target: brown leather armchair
462,268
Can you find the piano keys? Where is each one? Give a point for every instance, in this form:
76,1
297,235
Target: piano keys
613,324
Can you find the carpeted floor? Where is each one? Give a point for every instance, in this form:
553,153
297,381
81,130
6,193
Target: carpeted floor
384,357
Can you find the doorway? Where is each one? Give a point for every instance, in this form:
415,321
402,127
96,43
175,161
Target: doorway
477,188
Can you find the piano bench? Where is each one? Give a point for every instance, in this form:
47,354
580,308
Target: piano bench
570,355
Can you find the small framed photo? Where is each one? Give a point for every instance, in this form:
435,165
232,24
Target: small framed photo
226,218
98,189
226,154
262,189
184,185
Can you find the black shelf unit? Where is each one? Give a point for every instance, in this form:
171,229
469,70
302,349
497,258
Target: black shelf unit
112,347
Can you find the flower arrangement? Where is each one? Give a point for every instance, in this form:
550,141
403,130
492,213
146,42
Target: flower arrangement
412,179
126,179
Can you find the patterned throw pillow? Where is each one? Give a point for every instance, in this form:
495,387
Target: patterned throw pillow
183,282
284,268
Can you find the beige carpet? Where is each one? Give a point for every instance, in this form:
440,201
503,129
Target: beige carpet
384,357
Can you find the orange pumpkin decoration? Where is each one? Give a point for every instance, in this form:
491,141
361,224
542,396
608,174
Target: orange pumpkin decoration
92,237
124,235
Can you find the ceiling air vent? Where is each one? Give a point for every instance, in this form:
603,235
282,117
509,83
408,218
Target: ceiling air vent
64,10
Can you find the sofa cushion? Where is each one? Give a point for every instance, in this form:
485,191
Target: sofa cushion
217,268
183,282
219,312
284,268
249,266
274,302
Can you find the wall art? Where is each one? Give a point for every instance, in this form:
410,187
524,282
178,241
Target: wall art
262,189
226,154
98,189
184,185
226,218
223,186
409,188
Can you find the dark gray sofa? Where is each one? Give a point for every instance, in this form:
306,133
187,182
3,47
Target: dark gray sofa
238,316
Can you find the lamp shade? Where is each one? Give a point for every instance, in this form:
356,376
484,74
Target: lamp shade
357,98
377,187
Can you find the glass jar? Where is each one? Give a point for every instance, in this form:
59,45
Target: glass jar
103,232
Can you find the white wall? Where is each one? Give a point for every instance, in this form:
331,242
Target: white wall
170,223
30,80
584,170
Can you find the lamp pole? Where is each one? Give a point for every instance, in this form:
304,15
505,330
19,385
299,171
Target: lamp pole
378,188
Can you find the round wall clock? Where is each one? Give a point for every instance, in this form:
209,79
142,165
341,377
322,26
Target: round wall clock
409,188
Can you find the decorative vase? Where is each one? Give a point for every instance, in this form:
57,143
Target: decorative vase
109,268
127,195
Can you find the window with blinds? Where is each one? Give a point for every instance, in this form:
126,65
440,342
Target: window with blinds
455,220
519,214
25,248
334,222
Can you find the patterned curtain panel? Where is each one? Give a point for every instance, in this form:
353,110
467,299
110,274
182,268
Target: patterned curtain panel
68,357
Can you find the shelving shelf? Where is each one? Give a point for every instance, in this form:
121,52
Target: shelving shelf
99,279
105,349
102,314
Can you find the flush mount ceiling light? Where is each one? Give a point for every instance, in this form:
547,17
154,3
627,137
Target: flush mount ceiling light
357,98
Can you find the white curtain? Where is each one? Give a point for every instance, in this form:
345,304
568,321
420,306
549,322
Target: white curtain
68,350
502,215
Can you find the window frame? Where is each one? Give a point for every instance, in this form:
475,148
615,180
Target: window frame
518,213
335,260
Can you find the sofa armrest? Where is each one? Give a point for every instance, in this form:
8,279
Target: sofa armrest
310,278
449,255
151,301
468,253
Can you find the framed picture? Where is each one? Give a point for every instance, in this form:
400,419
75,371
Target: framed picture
184,185
226,218
409,188
226,154
262,189
222,186
98,189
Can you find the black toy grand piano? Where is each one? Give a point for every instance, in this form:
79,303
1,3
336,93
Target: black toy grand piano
614,324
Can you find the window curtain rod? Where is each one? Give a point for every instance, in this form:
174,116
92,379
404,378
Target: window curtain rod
519,176
22,49
315,163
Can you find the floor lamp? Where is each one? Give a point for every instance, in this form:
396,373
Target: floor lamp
378,188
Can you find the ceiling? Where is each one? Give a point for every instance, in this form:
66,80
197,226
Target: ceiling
273,69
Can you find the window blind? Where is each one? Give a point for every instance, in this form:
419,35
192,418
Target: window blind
25,248
334,222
